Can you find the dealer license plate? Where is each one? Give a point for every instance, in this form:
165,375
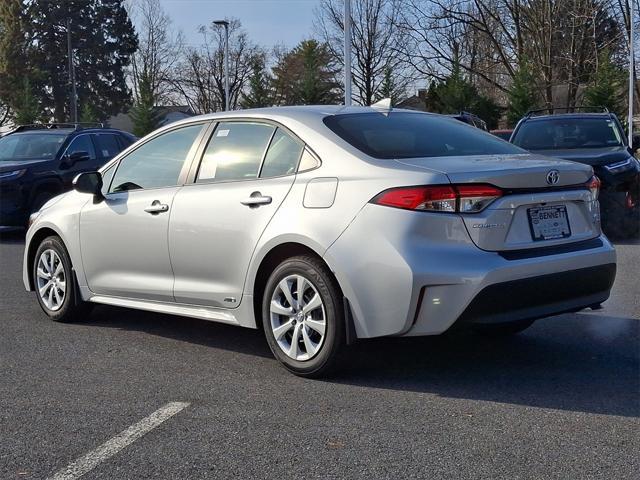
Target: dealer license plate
548,223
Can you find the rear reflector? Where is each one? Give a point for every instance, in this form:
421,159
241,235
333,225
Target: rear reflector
440,198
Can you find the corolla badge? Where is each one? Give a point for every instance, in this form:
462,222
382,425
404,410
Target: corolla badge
553,177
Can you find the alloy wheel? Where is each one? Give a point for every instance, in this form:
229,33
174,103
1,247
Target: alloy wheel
51,280
298,319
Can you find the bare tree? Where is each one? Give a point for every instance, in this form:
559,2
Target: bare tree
375,42
159,51
200,75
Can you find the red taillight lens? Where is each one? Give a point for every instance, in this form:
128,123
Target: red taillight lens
593,185
440,198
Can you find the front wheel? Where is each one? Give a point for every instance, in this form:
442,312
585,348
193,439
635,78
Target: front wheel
302,316
54,282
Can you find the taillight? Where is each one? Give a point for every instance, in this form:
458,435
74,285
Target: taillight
467,198
593,185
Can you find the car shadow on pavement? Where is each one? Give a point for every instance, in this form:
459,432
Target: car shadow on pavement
581,362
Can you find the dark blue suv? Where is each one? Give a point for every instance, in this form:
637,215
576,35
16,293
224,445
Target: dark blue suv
597,139
38,162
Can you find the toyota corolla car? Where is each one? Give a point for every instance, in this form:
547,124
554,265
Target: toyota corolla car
323,225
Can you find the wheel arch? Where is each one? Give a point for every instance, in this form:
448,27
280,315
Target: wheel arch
269,261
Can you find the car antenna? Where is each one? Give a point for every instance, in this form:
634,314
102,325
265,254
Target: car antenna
383,106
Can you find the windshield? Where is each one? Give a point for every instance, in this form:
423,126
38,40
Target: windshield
412,135
568,133
31,146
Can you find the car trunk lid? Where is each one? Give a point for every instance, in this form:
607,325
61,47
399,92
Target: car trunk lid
545,201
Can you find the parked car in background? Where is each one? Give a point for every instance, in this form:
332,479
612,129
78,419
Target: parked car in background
471,119
325,224
504,134
37,162
595,139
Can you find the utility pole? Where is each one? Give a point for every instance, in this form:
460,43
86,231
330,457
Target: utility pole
631,71
225,24
347,52
72,75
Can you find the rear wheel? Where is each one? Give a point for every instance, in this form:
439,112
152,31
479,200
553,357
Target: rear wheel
503,329
302,316
54,282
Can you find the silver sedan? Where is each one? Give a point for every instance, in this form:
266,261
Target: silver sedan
324,225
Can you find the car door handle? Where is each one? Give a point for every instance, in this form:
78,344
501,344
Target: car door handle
157,207
256,199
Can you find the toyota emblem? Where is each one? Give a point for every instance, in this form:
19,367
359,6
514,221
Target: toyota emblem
553,176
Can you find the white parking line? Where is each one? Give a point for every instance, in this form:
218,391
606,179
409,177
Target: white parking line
108,449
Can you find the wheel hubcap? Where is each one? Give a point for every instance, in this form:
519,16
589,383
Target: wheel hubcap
51,280
298,320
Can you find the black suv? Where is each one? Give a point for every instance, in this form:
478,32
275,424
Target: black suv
596,139
37,162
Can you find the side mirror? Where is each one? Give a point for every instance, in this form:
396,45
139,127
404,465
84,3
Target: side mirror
69,161
88,182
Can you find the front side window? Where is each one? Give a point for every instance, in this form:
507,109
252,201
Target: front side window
412,135
82,143
30,146
235,151
568,133
158,162
283,155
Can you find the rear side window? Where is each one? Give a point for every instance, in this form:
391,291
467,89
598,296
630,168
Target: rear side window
108,145
235,151
283,155
157,163
412,135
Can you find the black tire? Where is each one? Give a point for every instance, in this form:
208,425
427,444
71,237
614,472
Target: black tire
316,272
72,308
503,329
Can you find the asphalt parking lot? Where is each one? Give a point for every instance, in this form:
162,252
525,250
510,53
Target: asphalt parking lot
561,400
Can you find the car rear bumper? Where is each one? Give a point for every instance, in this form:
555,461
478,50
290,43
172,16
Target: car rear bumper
415,273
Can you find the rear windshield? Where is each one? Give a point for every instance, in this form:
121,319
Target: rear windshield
30,146
411,135
568,133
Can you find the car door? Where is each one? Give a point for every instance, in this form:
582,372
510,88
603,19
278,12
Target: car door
123,238
245,173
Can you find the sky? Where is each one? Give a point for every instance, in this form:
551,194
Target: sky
267,22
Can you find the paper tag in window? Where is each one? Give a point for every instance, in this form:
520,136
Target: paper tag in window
222,133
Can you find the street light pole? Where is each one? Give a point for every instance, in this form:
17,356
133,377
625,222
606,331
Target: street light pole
347,52
72,75
225,24
631,71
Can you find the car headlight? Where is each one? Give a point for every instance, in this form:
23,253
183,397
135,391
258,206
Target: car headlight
12,174
622,166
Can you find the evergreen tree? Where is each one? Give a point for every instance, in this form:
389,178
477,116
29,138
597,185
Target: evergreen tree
103,40
456,94
606,88
88,114
259,94
522,96
143,114
307,76
26,108
16,72
390,88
